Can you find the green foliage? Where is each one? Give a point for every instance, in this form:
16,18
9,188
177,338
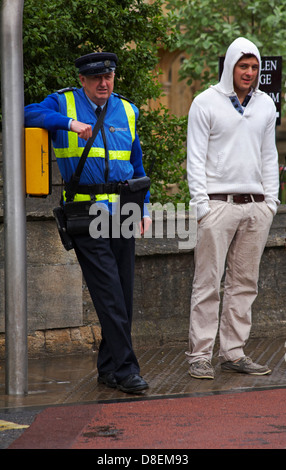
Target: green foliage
56,32
164,136
207,27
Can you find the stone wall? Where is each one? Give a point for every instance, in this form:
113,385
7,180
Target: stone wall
61,316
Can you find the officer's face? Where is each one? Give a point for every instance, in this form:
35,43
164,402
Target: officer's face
98,87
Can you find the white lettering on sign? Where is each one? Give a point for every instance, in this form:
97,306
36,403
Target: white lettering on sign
268,65
265,79
275,97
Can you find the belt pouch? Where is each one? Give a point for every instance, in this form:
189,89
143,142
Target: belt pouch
62,228
133,191
77,217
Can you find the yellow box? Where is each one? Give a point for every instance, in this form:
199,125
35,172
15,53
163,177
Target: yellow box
38,161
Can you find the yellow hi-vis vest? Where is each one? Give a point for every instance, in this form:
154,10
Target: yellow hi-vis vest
119,126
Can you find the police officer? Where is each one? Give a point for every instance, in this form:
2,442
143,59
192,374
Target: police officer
107,263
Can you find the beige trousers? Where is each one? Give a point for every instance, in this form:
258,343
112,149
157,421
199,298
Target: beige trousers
231,236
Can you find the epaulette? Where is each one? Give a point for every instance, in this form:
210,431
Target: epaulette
63,90
123,98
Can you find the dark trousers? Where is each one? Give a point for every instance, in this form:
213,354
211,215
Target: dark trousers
108,268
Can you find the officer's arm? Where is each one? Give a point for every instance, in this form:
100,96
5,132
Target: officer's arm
46,115
137,163
136,158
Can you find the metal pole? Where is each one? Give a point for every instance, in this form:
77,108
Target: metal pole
12,85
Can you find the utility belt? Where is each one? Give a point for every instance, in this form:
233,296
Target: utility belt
93,190
73,218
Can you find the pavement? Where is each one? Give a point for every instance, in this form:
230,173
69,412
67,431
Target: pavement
66,408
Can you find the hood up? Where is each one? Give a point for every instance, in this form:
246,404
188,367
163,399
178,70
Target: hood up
236,50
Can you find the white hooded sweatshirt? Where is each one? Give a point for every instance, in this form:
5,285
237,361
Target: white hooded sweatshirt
229,152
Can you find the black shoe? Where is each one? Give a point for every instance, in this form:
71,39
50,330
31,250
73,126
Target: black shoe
132,384
107,379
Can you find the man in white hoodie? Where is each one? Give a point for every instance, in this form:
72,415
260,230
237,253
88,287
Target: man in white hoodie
232,166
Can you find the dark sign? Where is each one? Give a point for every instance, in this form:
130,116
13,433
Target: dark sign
270,79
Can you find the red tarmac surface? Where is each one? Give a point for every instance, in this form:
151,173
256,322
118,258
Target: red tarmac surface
248,420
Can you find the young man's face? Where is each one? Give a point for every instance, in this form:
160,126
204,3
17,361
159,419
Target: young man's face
245,74
98,87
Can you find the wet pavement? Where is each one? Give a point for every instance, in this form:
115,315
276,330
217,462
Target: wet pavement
73,379
58,381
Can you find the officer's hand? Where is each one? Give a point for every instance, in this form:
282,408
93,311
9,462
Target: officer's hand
83,130
145,224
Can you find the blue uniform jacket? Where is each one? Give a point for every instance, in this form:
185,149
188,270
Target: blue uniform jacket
50,114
